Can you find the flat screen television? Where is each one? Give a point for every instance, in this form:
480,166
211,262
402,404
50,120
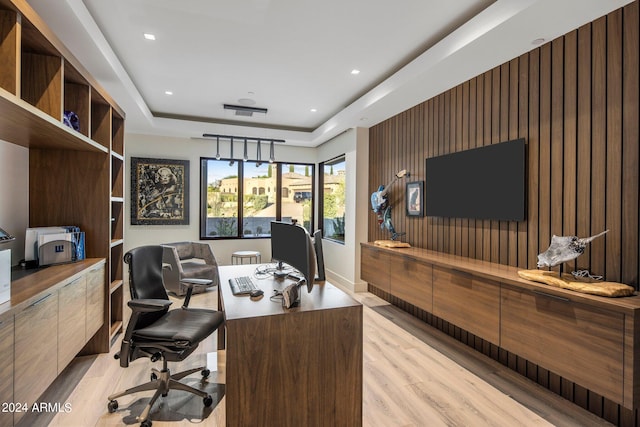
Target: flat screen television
292,245
482,183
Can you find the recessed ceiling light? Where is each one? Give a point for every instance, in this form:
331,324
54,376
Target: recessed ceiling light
168,92
354,71
538,42
246,101
313,110
149,36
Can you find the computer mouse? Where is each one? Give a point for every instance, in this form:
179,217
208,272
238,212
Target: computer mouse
256,293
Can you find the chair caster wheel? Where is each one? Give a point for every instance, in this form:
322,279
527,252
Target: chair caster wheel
153,376
208,401
205,373
112,406
146,423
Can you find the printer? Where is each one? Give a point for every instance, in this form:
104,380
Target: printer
5,267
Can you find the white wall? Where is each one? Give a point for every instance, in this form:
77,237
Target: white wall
14,196
151,146
342,261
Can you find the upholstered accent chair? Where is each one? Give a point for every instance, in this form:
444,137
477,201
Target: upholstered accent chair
188,260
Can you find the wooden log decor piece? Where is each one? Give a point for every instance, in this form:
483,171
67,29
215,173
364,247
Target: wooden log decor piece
391,244
582,284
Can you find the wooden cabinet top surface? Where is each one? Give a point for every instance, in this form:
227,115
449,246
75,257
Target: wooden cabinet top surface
28,289
508,275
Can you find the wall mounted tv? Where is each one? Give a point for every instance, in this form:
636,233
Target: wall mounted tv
482,183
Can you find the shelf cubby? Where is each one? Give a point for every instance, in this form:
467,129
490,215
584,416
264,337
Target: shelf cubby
9,51
116,220
100,119
116,290
41,82
41,72
117,176
117,137
77,97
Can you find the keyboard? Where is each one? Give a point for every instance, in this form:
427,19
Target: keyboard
242,285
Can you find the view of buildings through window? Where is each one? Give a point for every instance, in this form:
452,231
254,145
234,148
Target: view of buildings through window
333,198
269,191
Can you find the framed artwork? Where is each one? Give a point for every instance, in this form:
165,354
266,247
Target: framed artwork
159,191
415,197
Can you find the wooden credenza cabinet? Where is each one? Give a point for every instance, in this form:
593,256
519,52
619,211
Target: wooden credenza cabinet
412,280
589,340
6,368
36,350
50,317
468,301
72,317
585,343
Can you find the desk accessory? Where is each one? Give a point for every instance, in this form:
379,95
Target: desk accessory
290,296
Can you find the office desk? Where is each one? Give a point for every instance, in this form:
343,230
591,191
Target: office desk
291,367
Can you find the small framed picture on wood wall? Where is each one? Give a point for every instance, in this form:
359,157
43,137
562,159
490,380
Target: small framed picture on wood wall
159,191
415,197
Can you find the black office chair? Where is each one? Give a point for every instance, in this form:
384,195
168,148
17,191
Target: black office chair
156,332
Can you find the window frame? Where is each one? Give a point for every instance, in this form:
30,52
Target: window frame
240,168
337,159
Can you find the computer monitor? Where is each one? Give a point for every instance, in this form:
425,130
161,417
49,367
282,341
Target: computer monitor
317,246
292,245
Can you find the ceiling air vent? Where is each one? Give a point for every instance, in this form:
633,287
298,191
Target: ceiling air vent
242,110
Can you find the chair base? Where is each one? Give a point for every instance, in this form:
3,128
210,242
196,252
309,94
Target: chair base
162,381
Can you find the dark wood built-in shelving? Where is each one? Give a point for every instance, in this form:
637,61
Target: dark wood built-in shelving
76,177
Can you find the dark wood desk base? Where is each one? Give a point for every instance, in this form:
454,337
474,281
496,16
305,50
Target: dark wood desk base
294,367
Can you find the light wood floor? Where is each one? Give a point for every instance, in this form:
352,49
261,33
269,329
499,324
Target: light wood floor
414,375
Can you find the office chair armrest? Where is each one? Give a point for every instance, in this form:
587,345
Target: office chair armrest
190,283
148,305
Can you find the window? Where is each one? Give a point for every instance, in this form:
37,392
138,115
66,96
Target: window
297,194
223,185
221,212
333,198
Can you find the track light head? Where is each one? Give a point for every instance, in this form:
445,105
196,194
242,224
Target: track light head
272,156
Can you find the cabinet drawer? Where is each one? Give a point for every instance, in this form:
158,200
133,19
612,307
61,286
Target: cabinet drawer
467,301
95,301
578,342
412,281
71,321
36,340
6,368
374,268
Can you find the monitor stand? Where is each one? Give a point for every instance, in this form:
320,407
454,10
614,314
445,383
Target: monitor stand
280,273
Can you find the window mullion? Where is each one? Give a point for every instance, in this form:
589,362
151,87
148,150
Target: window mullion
240,199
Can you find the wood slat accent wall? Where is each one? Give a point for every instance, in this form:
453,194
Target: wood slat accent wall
575,101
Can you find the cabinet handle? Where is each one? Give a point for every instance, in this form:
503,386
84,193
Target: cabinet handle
461,273
544,294
72,282
41,300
